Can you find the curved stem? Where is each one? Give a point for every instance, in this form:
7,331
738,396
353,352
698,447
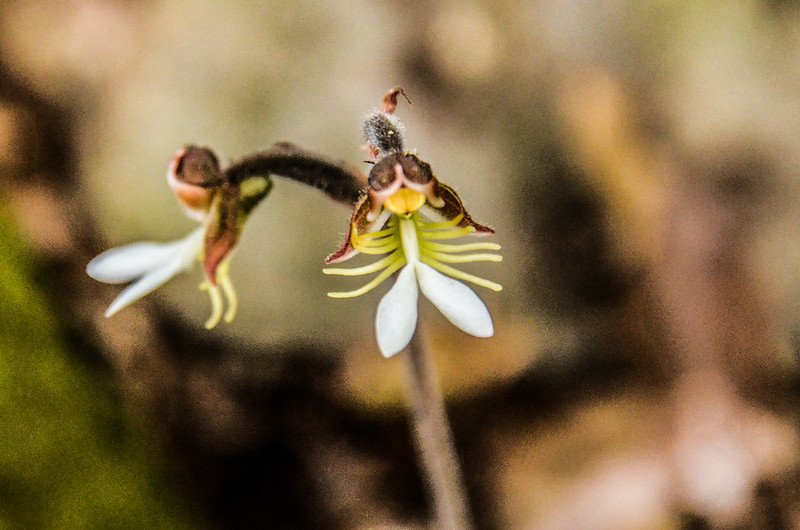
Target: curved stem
435,440
339,180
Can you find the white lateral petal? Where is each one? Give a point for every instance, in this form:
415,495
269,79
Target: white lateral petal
396,319
379,222
123,264
126,263
457,302
145,285
432,214
180,260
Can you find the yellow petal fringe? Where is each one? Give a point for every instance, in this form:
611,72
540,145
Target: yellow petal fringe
431,251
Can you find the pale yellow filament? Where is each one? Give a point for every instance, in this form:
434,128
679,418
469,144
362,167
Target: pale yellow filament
395,265
460,275
366,269
453,233
430,252
424,225
233,300
464,247
461,258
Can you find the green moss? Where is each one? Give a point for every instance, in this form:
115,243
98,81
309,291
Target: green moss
60,463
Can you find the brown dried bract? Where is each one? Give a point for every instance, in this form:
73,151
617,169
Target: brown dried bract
390,99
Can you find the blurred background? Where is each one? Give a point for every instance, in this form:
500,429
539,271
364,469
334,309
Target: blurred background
638,160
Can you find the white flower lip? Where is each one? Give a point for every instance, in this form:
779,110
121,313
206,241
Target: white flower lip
150,264
458,303
397,312
396,319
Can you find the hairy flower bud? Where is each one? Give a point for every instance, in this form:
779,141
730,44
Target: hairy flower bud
383,132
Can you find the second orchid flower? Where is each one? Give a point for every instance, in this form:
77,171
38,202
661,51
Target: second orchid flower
221,206
221,201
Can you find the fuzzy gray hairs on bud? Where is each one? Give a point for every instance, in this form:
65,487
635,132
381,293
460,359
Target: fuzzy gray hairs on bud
383,132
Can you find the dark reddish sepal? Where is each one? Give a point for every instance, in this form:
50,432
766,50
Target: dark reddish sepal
453,206
223,229
361,221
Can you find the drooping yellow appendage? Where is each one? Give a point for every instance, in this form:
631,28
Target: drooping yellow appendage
385,241
233,300
366,269
373,235
464,247
461,258
381,242
383,249
452,233
374,243
459,275
215,292
216,304
437,254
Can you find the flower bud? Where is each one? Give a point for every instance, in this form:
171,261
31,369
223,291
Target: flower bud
194,175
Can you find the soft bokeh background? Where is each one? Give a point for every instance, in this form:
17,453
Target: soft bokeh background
638,160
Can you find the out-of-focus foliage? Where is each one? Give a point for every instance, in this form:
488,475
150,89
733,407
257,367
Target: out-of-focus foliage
67,457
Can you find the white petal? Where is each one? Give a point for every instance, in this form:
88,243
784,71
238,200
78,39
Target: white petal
379,221
457,302
123,264
145,285
181,258
432,213
397,313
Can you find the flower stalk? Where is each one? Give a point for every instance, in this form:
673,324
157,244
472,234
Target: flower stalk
435,440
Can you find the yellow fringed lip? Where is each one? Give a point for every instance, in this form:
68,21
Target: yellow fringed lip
428,245
404,202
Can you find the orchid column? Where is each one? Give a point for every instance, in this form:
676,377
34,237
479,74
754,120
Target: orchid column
407,216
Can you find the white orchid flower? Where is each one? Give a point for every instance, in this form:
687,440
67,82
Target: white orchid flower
393,219
221,205
407,215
